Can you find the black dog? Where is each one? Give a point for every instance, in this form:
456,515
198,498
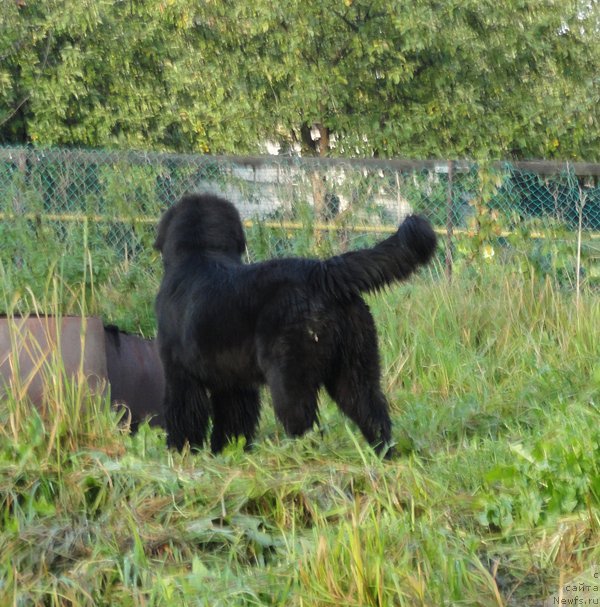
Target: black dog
224,327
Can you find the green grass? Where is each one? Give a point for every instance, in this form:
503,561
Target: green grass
494,497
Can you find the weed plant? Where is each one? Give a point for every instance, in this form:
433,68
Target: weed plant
493,498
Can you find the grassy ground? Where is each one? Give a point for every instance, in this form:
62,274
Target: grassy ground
493,499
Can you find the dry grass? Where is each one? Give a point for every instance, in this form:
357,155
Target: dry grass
495,496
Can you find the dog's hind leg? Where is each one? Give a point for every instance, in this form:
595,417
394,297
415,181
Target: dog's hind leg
294,399
354,384
235,413
187,410
365,404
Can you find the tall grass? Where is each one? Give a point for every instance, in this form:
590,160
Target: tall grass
493,499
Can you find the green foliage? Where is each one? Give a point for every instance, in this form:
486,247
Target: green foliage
493,499
556,474
419,79
484,223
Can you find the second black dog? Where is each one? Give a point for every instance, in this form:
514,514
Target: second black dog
225,327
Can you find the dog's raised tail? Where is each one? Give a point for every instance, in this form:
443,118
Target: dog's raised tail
392,260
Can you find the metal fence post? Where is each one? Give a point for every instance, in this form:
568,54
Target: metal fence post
449,222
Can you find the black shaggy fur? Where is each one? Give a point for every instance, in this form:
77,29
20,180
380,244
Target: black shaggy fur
225,327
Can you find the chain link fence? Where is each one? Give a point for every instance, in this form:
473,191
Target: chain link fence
59,206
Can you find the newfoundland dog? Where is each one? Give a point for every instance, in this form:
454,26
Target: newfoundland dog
225,327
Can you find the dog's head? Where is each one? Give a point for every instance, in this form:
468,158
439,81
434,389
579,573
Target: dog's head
201,223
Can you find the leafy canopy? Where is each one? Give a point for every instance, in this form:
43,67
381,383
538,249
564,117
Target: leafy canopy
462,78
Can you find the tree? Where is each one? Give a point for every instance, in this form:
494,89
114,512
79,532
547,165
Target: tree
426,78
460,78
